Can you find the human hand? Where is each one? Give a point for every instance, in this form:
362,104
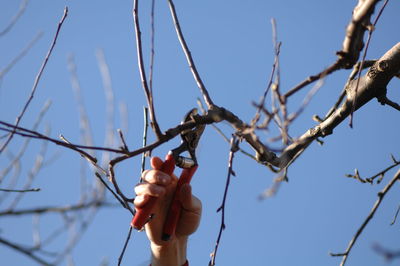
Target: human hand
162,186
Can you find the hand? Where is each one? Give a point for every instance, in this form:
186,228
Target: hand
162,186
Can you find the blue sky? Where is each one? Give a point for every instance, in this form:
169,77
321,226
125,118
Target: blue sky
317,212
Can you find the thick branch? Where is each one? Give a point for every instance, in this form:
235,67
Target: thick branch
353,42
372,85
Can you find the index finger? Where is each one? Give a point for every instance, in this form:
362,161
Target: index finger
156,177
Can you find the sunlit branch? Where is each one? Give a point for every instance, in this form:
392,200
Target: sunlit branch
189,57
370,30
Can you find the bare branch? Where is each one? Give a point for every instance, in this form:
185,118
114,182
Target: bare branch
149,95
234,149
277,47
371,28
189,57
109,95
381,195
371,85
353,42
152,52
56,209
128,237
20,190
37,79
335,66
23,148
24,51
395,216
357,67
15,18
23,250
36,135
384,100
123,203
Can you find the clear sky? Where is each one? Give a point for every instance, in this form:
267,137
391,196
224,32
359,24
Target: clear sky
317,212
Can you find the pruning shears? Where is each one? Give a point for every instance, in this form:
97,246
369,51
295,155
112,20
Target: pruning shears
190,140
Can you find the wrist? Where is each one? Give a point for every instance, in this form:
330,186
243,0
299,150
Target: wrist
171,253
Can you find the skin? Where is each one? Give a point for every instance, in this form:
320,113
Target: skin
162,186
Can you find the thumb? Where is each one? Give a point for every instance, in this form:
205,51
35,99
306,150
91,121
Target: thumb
188,201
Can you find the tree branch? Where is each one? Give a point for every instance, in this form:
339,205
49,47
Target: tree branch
189,57
37,79
15,18
353,42
372,85
234,149
149,95
57,209
381,195
23,250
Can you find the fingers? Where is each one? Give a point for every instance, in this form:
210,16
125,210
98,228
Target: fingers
155,183
156,163
156,177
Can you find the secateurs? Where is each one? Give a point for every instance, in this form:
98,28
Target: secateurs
190,140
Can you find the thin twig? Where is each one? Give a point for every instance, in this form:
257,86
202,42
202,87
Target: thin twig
36,135
384,100
152,52
124,204
122,138
142,72
271,77
335,66
395,216
24,51
128,237
37,79
32,174
381,195
370,30
56,209
23,250
23,148
20,190
109,95
15,18
84,124
234,149
144,143
189,57
380,174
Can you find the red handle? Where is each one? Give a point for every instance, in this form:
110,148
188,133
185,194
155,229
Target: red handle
175,208
143,214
